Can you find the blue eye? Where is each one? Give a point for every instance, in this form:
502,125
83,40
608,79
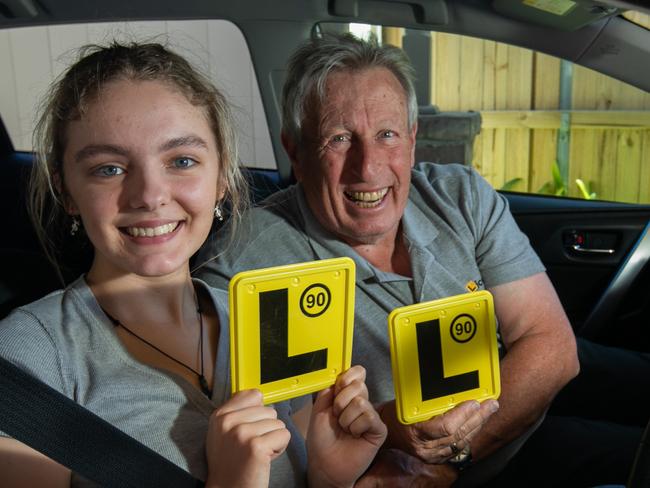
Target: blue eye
109,170
387,134
183,162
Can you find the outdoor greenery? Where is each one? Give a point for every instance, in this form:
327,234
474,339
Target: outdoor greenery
555,186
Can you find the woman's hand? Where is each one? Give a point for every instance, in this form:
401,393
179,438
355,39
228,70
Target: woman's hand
243,438
345,432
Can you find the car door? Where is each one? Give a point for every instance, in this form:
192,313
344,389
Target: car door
596,255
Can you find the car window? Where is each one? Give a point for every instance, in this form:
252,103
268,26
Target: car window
34,56
547,125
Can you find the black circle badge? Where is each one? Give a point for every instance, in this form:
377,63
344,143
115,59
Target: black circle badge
315,300
463,328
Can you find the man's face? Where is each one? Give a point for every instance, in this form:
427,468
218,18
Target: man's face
356,155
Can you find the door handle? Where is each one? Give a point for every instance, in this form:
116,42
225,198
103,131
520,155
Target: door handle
591,242
591,250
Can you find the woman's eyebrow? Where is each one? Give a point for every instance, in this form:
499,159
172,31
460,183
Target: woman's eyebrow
190,140
183,141
94,149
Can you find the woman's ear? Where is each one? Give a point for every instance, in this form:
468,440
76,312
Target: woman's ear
68,204
221,192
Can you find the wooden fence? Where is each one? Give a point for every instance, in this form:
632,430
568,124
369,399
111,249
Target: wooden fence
517,92
609,151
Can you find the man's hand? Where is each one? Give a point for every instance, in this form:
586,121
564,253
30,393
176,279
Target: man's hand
394,468
243,438
437,440
345,432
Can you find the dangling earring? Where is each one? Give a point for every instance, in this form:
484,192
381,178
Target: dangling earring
217,213
74,228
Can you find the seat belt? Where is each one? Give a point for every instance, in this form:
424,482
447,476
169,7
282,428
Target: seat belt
34,413
640,474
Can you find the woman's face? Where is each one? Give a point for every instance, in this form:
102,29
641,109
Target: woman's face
141,168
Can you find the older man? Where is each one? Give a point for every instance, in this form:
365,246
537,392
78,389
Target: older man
416,233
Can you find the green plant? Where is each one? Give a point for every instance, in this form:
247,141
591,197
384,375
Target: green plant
555,186
584,188
558,188
510,184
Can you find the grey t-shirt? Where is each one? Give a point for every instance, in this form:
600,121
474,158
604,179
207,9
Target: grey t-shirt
68,342
460,233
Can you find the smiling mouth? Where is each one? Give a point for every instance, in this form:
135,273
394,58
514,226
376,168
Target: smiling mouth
366,199
151,231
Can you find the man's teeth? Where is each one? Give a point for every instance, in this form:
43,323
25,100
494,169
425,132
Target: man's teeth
367,198
151,231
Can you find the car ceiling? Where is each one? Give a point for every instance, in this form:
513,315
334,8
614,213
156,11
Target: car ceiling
589,34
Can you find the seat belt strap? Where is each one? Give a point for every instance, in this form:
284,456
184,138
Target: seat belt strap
34,413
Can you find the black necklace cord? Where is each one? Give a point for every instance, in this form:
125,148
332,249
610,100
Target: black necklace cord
203,382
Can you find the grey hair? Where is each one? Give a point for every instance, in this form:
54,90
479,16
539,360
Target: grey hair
313,62
81,84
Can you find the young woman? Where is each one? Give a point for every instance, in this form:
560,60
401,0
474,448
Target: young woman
137,151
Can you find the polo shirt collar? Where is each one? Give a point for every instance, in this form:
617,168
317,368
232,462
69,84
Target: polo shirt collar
417,227
418,230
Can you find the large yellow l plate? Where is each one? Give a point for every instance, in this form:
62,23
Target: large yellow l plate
443,352
291,327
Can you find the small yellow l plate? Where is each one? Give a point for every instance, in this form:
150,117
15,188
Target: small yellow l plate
443,352
291,327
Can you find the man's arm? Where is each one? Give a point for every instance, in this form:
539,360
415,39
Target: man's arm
541,358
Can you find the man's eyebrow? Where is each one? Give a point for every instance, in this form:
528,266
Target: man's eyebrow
183,141
94,149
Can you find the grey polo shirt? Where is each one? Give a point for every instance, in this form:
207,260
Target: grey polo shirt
459,232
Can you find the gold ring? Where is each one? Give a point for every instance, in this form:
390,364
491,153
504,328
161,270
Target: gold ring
455,450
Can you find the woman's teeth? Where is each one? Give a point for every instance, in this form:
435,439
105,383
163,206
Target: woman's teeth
151,231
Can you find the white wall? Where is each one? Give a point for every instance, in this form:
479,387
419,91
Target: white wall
30,58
